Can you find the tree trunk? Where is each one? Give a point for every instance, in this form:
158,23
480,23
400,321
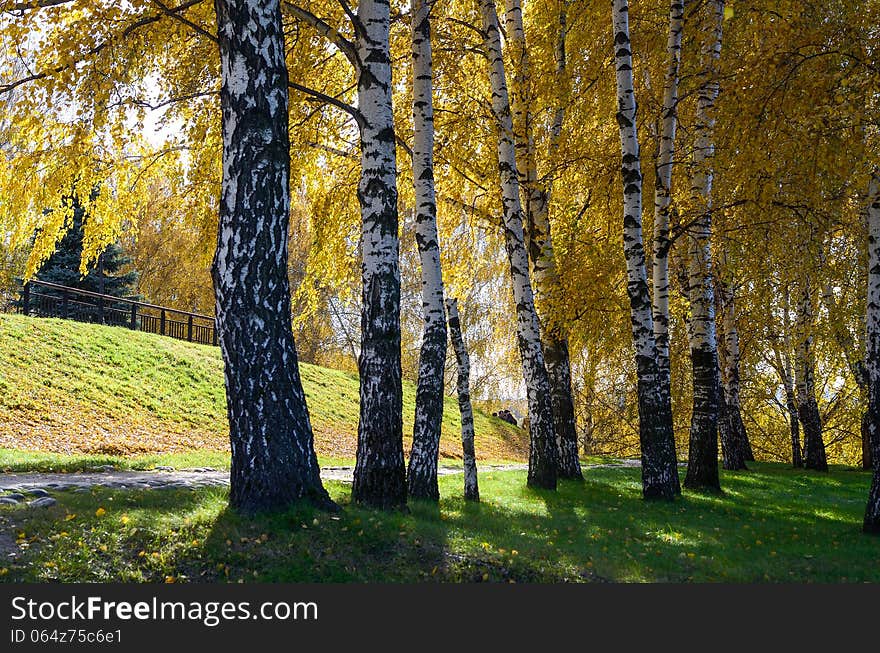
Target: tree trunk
471,488
659,468
422,474
380,472
273,456
663,189
536,198
785,372
793,426
808,409
542,443
702,470
735,447
872,354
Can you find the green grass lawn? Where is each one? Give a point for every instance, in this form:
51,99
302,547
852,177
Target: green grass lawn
89,390
771,524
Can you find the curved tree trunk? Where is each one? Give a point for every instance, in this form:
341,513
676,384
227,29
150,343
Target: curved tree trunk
536,199
872,355
659,469
380,472
471,488
542,443
273,456
422,473
808,409
702,472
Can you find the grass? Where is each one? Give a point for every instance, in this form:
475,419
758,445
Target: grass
771,524
108,392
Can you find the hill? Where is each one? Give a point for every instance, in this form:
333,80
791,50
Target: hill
73,388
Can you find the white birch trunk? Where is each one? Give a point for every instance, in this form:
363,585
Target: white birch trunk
380,473
422,474
659,470
872,354
663,185
542,451
702,470
805,370
535,196
471,488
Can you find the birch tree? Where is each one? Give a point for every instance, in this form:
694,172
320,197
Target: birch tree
422,472
542,444
663,188
380,472
872,357
471,487
273,457
735,447
535,197
659,468
805,371
702,470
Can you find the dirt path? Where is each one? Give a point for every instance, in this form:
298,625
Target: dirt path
42,483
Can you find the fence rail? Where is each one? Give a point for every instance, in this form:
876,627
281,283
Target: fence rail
44,299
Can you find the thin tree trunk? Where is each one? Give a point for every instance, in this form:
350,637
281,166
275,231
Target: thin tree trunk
663,188
659,469
702,472
542,449
872,354
735,447
536,198
785,371
380,472
471,488
808,409
422,473
273,456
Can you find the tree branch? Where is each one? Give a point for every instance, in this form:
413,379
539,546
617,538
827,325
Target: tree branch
345,46
339,104
185,21
146,20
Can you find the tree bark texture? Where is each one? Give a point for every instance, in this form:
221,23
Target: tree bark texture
735,447
659,468
702,472
535,195
663,187
273,457
542,442
380,472
872,356
805,365
422,473
471,487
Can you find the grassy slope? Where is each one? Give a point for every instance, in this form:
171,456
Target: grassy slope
772,524
72,388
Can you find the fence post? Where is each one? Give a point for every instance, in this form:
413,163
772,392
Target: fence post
101,309
214,333
26,299
189,329
162,323
64,304
134,315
